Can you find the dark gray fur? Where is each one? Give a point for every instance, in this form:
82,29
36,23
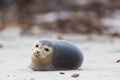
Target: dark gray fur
66,55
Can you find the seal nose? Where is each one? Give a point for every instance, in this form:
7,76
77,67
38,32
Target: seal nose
38,52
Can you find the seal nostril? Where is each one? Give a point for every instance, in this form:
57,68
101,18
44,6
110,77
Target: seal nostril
38,52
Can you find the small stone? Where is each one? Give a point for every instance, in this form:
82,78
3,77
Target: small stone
118,61
60,37
1,46
62,73
75,75
32,79
8,75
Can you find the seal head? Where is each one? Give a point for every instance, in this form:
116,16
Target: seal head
41,56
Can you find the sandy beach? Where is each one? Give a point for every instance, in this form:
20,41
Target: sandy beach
100,56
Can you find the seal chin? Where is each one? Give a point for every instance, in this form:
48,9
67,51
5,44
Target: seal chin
42,57
36,54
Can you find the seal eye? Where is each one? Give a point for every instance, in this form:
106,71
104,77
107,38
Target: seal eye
46,49
37,46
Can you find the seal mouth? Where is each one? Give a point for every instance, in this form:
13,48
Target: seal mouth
36,54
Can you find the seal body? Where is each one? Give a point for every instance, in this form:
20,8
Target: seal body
55,55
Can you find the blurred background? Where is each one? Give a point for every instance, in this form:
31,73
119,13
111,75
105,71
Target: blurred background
92,25
99,17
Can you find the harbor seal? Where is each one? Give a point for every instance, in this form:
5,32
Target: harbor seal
50,55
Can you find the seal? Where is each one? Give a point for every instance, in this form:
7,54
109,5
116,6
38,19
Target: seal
50,54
